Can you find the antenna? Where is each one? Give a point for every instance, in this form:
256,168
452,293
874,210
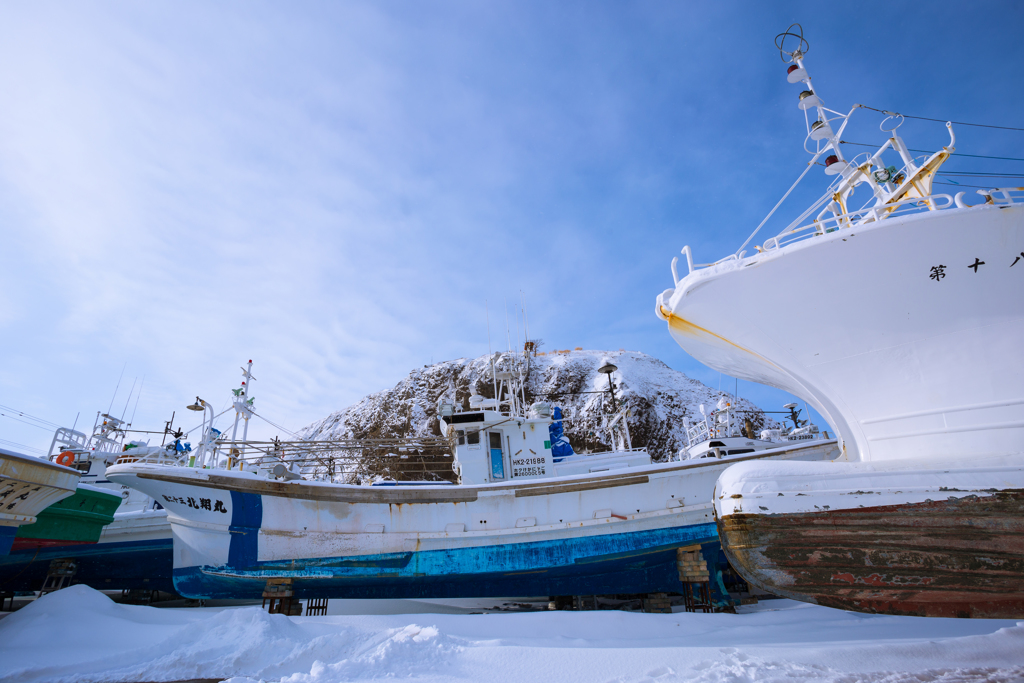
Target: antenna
134,381
797,37
526,319
494,379
523,373
519,337
116,388
508,338
167,428
137,400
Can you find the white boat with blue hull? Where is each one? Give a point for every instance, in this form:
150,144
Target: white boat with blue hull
516,523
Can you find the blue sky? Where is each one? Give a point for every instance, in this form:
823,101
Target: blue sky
335,189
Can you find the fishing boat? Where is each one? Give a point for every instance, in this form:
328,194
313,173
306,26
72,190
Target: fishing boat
27,487
75,520
119,538
482,509
722,433
909,346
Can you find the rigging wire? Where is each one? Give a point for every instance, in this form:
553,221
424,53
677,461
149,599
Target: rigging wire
925,151
199,426
925,118
774,209
22,413
981,174
978,187
288,431
21,445
30,424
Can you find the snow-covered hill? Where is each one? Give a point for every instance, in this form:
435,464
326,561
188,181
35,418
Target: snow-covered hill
658,396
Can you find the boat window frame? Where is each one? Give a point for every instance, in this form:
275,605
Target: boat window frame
490,456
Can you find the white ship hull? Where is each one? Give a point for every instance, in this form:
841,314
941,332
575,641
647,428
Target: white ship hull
902,365
941,539
609,532
908,341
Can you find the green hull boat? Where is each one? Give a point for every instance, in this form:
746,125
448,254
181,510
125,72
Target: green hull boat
77,519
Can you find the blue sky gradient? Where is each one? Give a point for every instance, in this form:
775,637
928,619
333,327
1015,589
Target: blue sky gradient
335,189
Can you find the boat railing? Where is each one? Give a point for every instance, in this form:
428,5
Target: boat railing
1003,196
340,460
151,456
827,224
822,225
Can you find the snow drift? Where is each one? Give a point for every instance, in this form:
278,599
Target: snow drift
78,634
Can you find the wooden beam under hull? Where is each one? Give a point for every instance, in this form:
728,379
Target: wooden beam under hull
961,557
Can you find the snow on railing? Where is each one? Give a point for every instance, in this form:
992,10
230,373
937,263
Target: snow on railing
821,226
1001,196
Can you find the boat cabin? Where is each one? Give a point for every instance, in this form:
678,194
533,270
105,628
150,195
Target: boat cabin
493,447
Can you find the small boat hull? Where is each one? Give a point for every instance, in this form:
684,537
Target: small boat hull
77,519
932,543
134,552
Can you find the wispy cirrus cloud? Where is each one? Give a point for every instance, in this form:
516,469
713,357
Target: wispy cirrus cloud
335,190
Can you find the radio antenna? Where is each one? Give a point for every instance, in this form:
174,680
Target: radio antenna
137,401
508,335
494,374
116,388
134,382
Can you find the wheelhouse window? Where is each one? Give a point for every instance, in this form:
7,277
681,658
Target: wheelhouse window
461,436
497,456
473,439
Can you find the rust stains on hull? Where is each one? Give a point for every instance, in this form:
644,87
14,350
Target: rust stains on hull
962,557
689,329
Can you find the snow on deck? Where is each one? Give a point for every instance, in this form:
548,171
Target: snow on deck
78,634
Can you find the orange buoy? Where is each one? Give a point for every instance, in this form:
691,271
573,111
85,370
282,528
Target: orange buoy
67,458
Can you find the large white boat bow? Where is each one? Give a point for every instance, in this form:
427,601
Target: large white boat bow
909,344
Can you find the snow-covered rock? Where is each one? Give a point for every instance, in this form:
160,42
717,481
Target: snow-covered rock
658,396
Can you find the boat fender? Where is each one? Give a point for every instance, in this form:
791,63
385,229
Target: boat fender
67,458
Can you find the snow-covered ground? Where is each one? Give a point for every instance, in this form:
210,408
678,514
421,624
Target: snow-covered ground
78,634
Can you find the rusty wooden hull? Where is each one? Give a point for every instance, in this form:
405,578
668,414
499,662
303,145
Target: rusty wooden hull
960,557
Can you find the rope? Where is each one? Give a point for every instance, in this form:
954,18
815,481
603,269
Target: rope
980,174
211,423
776,207
276,425
925,118
22,413
978,187
21,445
925,151
30,424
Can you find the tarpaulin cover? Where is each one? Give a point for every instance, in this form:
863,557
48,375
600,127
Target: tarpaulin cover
560,447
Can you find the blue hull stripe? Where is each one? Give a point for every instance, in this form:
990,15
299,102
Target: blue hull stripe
7,534
635,562
103,566
246,519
